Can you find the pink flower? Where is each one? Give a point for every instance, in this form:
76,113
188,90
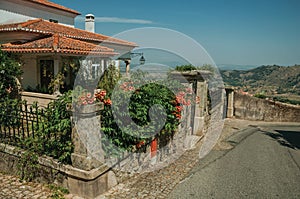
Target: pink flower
189,90
91,101
131,88
89,95
181,94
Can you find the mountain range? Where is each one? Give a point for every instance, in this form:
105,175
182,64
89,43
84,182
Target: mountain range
271,79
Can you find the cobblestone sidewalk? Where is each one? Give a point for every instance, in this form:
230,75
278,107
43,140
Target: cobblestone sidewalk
12,188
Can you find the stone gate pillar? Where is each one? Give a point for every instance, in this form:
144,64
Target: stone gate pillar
200,108
230,102
88,153
88,157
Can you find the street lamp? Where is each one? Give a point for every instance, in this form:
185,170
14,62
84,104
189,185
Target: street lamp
127,58
142,59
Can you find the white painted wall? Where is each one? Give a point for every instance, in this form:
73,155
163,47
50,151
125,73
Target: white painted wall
14,11
30,72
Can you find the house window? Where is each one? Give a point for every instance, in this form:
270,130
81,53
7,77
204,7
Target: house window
46,73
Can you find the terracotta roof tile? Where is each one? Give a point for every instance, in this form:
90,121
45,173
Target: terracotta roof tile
54,5
46,27
59,44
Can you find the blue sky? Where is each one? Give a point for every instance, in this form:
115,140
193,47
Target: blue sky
245,32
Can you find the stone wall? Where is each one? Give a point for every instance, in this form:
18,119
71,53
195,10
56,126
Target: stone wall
87,184
252,108
42,99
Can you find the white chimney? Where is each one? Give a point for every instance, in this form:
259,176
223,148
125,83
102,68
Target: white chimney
90,22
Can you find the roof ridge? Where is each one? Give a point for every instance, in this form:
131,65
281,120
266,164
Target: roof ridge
54,5
55,41
29,22
45,27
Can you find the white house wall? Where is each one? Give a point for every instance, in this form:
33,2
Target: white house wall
30,72
14,11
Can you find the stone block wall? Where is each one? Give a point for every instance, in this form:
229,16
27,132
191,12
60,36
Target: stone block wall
252,108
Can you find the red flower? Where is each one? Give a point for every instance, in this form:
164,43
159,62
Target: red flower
178,108
107,102
140,144
178,116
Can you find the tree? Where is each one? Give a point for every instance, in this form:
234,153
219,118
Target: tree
109,79
10,70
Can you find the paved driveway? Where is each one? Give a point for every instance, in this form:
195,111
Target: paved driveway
264,163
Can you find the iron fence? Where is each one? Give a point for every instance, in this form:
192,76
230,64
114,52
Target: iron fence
18,121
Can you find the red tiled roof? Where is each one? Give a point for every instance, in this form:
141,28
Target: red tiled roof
54,5
46,27
59,44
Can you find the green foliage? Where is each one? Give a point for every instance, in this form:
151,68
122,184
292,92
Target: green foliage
28,166
286,100
53,131
109,79
10,70
185,68
142,94
206,67
9,110
260,95
58,192
55,134
56,83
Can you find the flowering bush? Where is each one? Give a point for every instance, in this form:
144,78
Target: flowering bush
101,96
142,95
84,97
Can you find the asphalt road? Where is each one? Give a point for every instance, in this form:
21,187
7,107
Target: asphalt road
264,163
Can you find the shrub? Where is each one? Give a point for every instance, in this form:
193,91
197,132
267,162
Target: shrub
10,70
142,94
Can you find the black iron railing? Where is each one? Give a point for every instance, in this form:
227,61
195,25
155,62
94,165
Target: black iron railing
18,120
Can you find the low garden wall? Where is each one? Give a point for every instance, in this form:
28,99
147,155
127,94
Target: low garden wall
81,182
252,108
42,99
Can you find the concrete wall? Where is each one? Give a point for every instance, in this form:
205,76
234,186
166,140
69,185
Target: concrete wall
252,108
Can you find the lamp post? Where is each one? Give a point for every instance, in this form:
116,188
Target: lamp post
142,60
127,58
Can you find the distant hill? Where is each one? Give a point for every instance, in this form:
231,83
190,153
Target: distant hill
265,79
235,67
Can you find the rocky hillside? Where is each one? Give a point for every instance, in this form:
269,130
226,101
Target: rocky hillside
265,79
